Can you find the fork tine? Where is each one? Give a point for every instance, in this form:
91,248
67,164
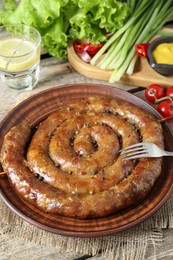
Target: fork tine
126,151
128,157
131,146
143,150
134,152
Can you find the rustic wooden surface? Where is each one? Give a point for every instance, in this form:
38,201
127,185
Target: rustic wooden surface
56,73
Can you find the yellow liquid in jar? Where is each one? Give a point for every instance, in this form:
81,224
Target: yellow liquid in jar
163,53
18,53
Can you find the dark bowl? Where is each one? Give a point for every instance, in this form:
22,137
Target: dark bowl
164,69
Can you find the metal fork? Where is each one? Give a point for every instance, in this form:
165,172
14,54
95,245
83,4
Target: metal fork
141,150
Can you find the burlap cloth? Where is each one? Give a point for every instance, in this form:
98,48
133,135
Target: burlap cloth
128,245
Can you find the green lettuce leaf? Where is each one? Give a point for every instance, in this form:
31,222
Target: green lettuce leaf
83,28
9,5
47,18
8,8
55,39
61,20
96,18
39,14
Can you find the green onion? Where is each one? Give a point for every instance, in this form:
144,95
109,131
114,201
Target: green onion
146,20
164,33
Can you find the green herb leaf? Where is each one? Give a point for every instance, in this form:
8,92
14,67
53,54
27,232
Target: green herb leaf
59,21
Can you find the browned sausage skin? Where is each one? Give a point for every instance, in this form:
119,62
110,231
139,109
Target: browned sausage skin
85,180
92,180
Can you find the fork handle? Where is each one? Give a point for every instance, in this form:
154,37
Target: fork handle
168,154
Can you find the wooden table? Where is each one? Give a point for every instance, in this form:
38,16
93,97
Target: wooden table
57,73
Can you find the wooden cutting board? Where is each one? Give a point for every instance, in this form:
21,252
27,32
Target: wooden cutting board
143,74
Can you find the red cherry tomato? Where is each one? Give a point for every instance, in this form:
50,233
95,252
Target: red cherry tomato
153,92
169,91
165,108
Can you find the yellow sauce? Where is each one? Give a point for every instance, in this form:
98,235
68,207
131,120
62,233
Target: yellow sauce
163,53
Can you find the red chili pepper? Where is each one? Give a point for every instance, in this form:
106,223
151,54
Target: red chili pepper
142,49
79,46
90,48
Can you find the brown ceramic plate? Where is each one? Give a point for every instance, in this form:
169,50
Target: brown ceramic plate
35,109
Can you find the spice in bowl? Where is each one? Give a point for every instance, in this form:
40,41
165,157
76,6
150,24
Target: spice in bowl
163,53
160,55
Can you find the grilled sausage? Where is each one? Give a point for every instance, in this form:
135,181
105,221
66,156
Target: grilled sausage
75,151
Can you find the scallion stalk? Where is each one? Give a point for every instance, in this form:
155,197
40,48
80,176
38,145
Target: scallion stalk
133,19
146,20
